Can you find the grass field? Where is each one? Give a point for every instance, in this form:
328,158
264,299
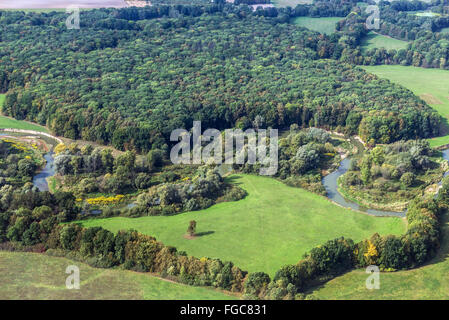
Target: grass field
37,276
445,30
427,282
6,122
375,40
432,85
273,226
322,25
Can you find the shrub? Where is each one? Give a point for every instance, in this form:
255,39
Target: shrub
408,179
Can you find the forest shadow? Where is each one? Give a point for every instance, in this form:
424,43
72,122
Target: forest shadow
444,127
234,179
443,252
205,233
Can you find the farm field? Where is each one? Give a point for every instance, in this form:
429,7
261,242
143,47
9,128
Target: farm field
36,276
375,40
289,3
322,25
6,122
273,226
432,85
427,282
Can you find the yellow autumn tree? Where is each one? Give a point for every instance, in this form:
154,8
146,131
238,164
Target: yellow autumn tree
371,253
60,148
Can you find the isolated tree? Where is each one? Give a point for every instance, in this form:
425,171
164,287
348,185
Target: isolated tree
192,228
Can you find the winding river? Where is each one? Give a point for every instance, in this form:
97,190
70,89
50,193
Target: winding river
40,179
329,182
331,186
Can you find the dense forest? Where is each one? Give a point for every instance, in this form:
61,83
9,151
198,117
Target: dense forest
128,79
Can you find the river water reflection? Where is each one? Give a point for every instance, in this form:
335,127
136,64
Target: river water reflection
330,184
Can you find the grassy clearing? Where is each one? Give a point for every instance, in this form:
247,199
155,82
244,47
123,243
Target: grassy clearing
273,226
432,85
37,276
6,122
445,30
427,14
375,40
427,282
322,25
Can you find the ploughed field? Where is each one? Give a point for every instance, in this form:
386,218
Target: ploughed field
273,226
432,85
37,276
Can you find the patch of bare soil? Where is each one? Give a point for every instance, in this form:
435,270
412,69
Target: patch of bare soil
430,99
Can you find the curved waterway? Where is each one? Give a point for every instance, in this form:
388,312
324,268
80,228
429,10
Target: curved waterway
329,182
331,186
40,179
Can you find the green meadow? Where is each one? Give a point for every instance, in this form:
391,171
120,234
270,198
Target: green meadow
375,40
322,25
7,122
26,276
427,282
273,226
432,85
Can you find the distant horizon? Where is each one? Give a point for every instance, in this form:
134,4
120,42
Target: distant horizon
59,4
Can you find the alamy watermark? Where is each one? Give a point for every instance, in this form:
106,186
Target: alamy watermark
207,147
73,20
73,280
373,20
373,281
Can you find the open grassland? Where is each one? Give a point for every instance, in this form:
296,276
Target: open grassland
6,122
322,25
375,40
432,85
273,226
38,276
427,282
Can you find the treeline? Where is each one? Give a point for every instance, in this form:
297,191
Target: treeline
38,230
199,192
419,244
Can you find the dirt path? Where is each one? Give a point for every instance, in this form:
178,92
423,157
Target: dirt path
36,133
